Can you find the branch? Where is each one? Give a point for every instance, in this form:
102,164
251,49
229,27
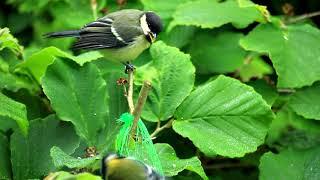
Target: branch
159,129
138,108
304,16
94,8
130,92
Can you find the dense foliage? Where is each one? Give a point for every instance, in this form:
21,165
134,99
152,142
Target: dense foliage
235,91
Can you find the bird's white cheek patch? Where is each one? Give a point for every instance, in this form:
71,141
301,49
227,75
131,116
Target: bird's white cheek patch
144,25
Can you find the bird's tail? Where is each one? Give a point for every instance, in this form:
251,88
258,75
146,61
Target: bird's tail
61,34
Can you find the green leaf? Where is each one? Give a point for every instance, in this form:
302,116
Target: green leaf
15,111
37,63
62,175
162,8
117,105
78,12
8,41
305,102
12,81
217,53
5,165
87,57
7,123
172,76
291,164
291,130
211,14
230,118
30,156
256,68
179,36
61,159
29,5
293,50
79,95
268,92
172,165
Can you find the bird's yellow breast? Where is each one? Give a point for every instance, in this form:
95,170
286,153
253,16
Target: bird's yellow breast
129,52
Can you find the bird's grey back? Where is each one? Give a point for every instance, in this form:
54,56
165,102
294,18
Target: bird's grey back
123,18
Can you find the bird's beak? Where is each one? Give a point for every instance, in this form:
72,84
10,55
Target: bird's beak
152,36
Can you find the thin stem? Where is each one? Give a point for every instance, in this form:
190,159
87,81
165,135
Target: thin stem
138,108
286,90
304,16
94,8
125,90
159,129
130,92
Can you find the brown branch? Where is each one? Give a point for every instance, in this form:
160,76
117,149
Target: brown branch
159,129
130,92
138,108
304,16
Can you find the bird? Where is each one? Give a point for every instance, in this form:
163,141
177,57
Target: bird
121,36
116,167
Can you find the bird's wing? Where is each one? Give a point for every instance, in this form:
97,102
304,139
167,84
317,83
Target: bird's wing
101,34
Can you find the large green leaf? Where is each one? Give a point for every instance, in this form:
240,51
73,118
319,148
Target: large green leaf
293,49
37,63
78,94
117,105
211,14
61,159
172,165
229,118
305,102
30,156
8,41
5,165
217,53
291,164
15,111
171,74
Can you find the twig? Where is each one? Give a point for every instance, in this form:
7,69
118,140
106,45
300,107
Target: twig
304,16
159,129
130,92
138,108
284,90
94,8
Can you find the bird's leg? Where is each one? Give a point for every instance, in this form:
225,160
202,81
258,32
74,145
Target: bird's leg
128,67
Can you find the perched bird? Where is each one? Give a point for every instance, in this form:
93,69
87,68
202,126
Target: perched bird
121,36
115,167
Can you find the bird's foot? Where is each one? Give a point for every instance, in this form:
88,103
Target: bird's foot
129,67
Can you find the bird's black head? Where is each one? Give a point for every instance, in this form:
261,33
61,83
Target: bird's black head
151,25
154,22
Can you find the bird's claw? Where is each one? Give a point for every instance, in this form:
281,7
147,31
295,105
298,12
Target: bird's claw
129,68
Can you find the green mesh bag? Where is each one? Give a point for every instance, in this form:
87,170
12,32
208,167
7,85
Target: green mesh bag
140,148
